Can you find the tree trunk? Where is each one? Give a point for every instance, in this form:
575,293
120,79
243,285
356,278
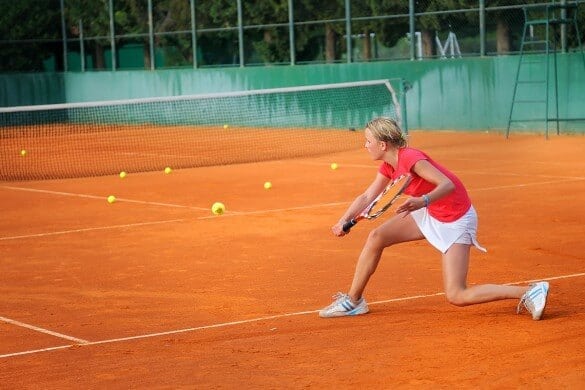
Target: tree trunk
428,43
267,36
502,36
146,55
330,43
100,62
367,46
265,50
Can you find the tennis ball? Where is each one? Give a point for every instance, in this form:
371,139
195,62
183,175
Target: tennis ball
268,185
218,208
23,152
111,199
334,166
168,170
225,126
122,174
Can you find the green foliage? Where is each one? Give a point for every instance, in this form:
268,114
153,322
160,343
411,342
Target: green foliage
269,44
19,22
32,36
389,33
441,22
93,13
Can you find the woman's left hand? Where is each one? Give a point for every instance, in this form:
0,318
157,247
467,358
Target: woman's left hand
410,205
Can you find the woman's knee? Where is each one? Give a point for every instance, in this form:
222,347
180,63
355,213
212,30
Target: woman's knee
379,238
456,297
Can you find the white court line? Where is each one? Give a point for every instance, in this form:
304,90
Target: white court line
251,320
101,197
159,155
577,178
311,206
526,184
458,172
169,204
52,192
41,330
231,214
90,229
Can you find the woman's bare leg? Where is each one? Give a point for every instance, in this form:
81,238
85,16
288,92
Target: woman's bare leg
455,267
396,230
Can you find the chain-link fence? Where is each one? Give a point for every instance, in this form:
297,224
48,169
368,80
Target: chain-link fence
78,35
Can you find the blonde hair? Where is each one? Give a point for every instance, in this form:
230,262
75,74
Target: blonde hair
387,130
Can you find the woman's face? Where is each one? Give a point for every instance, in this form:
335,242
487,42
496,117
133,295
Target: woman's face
374,146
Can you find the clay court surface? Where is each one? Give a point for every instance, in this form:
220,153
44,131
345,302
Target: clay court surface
154,291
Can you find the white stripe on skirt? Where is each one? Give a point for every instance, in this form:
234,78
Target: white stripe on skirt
442,235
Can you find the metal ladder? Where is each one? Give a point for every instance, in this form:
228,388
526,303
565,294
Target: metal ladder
538,37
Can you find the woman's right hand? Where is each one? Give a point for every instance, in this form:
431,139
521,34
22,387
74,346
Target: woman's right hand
337,229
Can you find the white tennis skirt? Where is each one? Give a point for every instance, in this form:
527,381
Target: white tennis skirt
442,235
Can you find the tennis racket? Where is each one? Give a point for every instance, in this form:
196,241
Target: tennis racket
382,201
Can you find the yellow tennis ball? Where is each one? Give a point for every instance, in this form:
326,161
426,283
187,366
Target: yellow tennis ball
23,152
268,185
225,126
111,199
123,174
168,170
334,166
218,208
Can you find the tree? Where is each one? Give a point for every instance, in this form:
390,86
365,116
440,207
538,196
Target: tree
24,20
506,25
431,24
388,31
131,21
270,44
175,16
217,47
95,18
327,37
131,18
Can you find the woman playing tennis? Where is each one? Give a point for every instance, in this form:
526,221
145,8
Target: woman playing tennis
438,210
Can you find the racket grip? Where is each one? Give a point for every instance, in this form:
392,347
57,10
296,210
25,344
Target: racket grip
348,225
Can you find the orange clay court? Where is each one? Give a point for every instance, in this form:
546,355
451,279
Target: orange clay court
154,291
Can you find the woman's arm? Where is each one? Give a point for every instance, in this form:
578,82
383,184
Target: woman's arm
427,171
361,202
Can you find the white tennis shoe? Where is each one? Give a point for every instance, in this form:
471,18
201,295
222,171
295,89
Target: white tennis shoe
343,306
534,300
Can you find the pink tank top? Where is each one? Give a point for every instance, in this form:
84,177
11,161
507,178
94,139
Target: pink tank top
447,209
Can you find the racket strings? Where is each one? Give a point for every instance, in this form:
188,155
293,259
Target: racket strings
390,194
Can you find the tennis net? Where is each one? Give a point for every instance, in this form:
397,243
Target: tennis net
102,138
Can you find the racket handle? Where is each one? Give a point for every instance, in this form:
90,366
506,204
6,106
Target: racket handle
348,225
